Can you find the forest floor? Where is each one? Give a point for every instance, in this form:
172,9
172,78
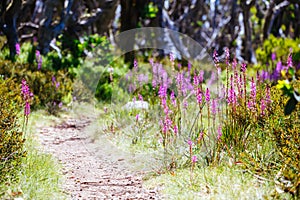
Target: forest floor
93,170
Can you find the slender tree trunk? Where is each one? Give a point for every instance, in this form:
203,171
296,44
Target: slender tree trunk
129,20
248,49
8,24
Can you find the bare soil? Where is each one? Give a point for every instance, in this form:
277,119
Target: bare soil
93,170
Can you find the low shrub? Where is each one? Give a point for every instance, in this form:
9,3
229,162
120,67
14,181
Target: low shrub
285,129
50,88
11,135
275,49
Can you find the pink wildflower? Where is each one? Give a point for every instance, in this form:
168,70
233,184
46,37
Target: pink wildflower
290,60
201,74
18,48
253,90
268,96
214,105
215,56
243,67
140,97
273,56
175,129
38,58
173,98
219,132
27,109
137,117
199,96
263,107
189,66
185,104
190,143
196,80
194,159
207,95
162,91
135,65
227,56
27,95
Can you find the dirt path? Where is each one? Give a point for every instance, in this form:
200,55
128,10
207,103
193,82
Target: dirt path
92,171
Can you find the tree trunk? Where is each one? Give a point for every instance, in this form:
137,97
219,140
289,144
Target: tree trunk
8,24
248,49
129,20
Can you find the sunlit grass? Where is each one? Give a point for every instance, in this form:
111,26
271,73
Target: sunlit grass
39,176
221,182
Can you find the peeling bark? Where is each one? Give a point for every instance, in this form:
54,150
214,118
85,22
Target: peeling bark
49,31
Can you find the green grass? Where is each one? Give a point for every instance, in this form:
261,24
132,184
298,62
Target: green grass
39,177
221,182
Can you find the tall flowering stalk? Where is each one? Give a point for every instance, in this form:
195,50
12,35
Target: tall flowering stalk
207,98
39,59
232,97
252,100
214,107
216,61
290,60
219,133
227,57
243,68
26,95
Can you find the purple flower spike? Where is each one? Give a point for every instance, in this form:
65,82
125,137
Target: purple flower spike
199,96
215,56
135,64
201,74
27,95
175,129
194,159
290,60
268,96
173,98
137,118
140,97
57,84
227,56
196,80
263,107
162,93
214,105
253,89
190,143
273,56
207,95
37,55
189,66
27,109
24,89
219,132
53,80
243,67
18,48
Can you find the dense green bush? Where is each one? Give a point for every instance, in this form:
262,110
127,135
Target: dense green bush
285,129
11,136
50,88
279,47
